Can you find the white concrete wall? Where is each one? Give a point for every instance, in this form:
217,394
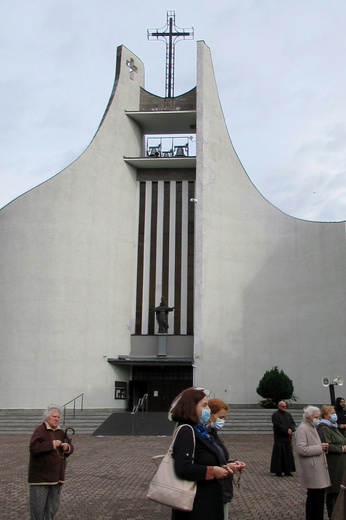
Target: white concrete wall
67,264
270,289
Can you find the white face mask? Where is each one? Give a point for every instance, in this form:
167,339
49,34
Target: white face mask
218,424
316,422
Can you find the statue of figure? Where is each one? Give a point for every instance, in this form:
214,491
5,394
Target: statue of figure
162,316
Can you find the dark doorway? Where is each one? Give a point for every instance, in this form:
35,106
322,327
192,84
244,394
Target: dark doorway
161,383
138,389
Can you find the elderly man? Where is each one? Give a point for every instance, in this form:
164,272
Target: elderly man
282,461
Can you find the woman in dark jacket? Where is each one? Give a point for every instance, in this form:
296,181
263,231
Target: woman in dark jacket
49,448
191,408
336,456
219,410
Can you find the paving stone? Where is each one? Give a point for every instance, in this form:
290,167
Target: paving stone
107,479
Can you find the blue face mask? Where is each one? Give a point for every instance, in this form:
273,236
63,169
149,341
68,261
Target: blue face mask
316,422
333,418
205,417
218,424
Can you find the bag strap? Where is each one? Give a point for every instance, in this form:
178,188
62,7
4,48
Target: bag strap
176,433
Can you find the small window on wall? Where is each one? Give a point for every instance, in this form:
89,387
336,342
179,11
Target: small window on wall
120,390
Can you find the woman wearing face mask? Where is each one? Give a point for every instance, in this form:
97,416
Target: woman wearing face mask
336,456
219,411
312,463
191,408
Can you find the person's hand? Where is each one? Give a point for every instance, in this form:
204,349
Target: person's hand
220,472
65,446
56,444
289,431
230,469
325,446
237,465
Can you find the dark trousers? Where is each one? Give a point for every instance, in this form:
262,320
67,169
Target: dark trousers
330,503
314,507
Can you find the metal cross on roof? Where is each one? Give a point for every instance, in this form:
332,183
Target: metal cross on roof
171,34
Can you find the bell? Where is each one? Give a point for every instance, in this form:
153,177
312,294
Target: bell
180,151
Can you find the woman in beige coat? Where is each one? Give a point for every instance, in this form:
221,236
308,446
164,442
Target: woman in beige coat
312,464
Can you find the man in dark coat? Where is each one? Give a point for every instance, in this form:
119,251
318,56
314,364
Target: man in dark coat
282,456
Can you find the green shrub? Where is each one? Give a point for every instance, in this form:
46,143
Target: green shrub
274,387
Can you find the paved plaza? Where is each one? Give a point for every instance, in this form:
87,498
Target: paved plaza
107,478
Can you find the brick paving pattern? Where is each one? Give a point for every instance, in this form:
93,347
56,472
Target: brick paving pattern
107,479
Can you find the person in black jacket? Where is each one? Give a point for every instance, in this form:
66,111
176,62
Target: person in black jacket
282,460
219,410
49,448
341,413
207,468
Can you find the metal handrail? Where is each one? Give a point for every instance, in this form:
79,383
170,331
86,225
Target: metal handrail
74,406
142,402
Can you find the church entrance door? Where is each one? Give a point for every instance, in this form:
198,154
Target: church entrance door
161,383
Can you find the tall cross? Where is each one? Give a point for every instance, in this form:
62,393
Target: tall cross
171,38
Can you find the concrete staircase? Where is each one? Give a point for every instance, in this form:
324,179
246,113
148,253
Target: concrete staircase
240,421
25,421
255,420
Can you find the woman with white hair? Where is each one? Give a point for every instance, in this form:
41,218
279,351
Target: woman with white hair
49,449
312,463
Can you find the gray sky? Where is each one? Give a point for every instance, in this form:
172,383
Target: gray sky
279,65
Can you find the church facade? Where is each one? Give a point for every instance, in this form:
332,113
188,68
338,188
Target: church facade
147,266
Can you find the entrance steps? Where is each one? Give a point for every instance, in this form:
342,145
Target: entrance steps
104,421
24,421
255,420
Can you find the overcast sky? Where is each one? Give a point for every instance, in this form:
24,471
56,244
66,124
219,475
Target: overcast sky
279,65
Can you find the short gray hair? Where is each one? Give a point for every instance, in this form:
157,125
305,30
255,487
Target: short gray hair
309,410
50,409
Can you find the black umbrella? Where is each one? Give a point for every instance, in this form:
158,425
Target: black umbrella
65,435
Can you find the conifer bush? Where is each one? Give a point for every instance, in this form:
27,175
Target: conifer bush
275,386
